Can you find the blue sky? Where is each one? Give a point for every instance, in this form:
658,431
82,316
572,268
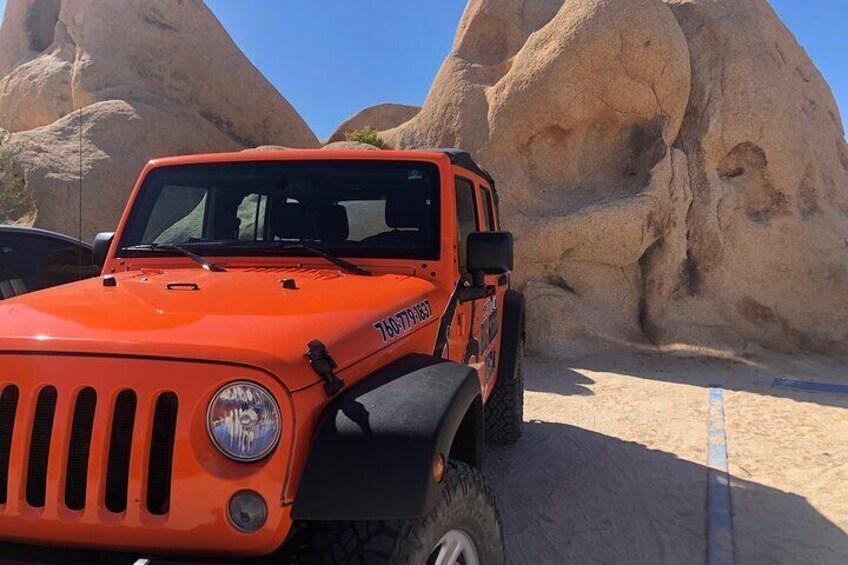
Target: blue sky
331,58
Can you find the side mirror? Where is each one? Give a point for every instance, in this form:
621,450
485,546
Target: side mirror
100,248
489,253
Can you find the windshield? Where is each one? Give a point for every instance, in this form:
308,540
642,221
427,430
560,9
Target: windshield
345,208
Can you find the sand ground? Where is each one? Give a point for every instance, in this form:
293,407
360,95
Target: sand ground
612,467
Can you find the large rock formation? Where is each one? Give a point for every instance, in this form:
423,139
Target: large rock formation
138,79
675,172
379,117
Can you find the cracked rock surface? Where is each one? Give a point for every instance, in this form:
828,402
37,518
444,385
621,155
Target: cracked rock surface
675,172
140,79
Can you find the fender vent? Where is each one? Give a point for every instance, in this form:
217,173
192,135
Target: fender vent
79,449
8,409
39,447
162,455
120,448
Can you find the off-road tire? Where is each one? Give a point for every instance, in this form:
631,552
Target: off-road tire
467,504
505,407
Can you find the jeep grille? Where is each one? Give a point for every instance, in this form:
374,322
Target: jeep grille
46,428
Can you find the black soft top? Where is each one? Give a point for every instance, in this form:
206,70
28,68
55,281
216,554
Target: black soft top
466,161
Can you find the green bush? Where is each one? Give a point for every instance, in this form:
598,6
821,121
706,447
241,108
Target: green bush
16,202
366,135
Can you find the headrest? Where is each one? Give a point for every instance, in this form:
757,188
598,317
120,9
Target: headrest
332,223
406,209
291,221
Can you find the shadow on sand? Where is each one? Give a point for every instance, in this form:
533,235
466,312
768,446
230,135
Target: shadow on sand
746,375
555,377
568,495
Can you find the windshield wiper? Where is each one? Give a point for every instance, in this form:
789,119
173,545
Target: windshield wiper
338,261
275,246
155,247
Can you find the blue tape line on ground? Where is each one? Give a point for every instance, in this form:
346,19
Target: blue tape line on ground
720,519
811,387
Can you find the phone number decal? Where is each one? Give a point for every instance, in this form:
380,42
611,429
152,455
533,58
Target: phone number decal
395,326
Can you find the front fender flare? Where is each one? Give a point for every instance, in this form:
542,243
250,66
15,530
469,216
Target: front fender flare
372,454
514,333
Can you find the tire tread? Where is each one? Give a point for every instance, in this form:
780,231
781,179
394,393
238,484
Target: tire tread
505,407
396,542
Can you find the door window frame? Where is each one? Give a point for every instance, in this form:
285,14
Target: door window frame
460,260
490,218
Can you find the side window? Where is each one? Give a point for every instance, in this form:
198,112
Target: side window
42,262
466,221
488,209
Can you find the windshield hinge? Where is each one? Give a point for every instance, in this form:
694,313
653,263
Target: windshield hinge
324,365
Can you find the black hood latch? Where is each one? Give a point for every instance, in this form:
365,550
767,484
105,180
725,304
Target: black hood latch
324,365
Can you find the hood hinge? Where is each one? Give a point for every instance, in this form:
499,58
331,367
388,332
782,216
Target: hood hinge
324,365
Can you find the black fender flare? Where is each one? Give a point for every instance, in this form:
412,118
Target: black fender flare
372,454
514,333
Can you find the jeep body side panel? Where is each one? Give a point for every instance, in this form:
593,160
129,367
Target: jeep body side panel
372,455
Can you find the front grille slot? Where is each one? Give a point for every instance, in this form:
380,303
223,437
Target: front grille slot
162,454
120,448
8,409
39,447
79,449
89,439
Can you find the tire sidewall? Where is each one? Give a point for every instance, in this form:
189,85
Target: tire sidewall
469,507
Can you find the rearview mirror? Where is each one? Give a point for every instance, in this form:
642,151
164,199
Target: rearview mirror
489,253
100,248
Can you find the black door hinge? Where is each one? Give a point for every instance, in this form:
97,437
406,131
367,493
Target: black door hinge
321,362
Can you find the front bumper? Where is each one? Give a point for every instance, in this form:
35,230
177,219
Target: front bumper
43,460
14,554
11,554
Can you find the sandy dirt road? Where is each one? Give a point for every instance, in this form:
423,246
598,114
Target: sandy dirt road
612,468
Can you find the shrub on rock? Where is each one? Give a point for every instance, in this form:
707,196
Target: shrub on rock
367,135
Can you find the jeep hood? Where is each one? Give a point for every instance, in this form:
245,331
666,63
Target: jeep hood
240,316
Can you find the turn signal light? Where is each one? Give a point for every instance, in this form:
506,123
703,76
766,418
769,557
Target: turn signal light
439,468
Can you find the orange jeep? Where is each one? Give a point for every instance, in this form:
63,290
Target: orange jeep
291,355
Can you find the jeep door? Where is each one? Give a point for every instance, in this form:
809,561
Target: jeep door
490,317
469,341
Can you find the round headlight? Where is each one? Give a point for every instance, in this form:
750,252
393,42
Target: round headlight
244,421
